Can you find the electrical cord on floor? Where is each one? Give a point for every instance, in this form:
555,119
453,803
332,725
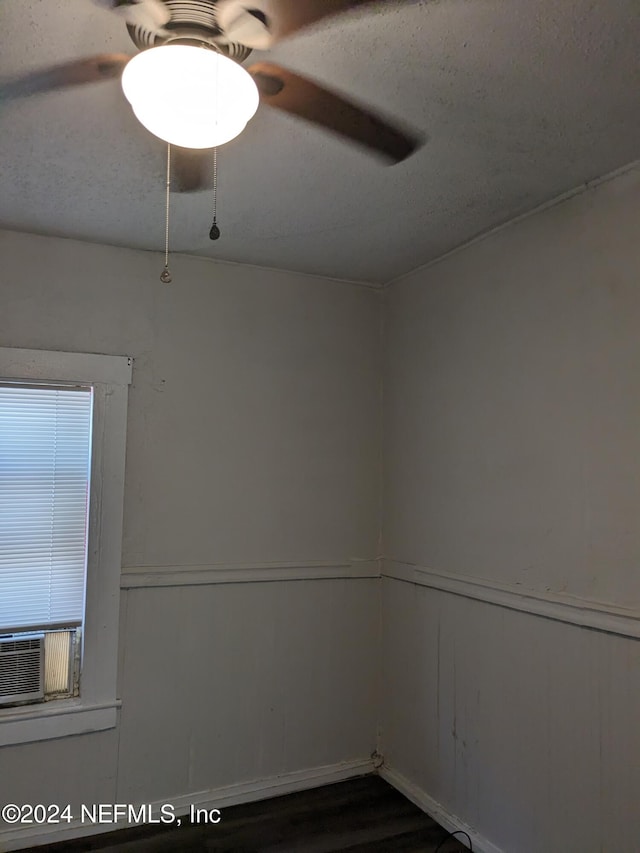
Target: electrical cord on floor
453,835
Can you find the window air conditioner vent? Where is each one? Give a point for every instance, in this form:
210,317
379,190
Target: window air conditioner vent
7,646
21,668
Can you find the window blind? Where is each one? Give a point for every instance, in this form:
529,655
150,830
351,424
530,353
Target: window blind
45,463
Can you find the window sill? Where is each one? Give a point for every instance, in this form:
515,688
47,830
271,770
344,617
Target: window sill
59,718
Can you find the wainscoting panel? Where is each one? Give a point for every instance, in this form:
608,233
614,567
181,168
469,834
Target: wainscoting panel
225,683
525,726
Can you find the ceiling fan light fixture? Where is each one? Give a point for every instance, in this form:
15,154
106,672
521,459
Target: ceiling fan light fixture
190,96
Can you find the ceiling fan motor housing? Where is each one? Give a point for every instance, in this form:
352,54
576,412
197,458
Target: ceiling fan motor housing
194,20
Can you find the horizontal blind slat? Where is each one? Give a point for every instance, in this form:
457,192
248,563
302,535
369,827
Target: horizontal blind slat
45,447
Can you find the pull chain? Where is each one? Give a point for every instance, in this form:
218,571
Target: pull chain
165,276
214,233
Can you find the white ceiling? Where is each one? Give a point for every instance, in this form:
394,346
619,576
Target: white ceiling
521,100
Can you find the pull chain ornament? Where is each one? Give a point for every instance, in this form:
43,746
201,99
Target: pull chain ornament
165,275
214,233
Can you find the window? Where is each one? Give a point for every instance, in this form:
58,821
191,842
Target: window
45,466
62,442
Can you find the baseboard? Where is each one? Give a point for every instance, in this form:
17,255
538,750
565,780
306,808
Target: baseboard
435,810
33,836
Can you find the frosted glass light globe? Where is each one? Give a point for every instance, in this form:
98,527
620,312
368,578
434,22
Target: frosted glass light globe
190,96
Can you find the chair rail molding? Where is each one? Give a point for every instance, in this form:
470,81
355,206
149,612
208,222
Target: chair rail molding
588,613
136,577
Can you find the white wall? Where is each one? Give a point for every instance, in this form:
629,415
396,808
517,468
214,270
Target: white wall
253,448
510,657
512,499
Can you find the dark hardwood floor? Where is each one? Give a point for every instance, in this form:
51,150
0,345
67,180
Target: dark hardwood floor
364,815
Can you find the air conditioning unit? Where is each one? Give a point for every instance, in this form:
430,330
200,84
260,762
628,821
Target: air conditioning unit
21,668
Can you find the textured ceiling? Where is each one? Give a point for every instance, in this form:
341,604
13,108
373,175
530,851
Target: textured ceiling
521,100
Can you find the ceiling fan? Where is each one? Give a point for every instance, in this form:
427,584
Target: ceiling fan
172,80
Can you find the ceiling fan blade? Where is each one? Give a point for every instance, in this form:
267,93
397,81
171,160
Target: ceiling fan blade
305,99
104,66
191,169
258,24
150,14
286,17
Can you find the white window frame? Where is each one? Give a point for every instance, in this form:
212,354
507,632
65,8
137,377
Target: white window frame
96,708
